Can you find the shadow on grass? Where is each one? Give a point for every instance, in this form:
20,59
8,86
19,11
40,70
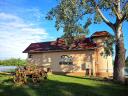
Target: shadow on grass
57,88
89,78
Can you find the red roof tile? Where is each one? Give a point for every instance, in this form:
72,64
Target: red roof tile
59,44
100,34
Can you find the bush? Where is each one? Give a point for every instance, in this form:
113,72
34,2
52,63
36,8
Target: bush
13,62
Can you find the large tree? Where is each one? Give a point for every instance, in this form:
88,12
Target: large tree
74,16
126,61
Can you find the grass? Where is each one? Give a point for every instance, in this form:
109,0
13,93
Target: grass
57,85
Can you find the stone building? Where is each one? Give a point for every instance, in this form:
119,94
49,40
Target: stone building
83,57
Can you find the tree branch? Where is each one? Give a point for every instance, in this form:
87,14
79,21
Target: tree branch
118,6
123,17
103,17
115,11
101,14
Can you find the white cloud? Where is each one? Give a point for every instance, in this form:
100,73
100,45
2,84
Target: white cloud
5,16
16,35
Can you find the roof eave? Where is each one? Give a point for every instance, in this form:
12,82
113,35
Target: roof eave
59,50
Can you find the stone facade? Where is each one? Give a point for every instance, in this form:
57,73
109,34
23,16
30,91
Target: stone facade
89,61
98,65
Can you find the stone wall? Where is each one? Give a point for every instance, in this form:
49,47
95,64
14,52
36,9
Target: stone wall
96,63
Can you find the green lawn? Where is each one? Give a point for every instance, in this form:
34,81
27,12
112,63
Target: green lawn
58,85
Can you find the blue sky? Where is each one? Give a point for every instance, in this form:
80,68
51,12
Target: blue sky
23,22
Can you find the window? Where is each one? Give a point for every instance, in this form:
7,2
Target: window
29,56
88,65
49,59
67,60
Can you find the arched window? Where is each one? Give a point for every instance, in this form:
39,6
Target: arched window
67,60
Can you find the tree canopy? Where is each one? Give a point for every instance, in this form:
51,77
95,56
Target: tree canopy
69,14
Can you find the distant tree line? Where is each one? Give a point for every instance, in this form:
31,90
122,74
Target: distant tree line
13,62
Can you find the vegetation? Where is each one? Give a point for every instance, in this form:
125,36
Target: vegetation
57,85
13,62
74,16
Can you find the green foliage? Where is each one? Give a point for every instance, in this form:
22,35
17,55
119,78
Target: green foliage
13,62
73,12
108,46
68,14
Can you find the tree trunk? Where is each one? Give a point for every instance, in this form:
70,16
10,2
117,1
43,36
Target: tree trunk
119,63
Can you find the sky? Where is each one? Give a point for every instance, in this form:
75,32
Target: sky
23,22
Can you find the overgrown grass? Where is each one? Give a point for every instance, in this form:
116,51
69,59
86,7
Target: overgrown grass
58,85
13,62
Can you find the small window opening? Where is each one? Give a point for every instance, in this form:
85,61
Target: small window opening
30,56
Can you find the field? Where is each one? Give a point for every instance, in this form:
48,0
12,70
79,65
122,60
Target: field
57,85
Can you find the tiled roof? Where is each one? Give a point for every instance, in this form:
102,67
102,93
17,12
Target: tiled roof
59,44
100,34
